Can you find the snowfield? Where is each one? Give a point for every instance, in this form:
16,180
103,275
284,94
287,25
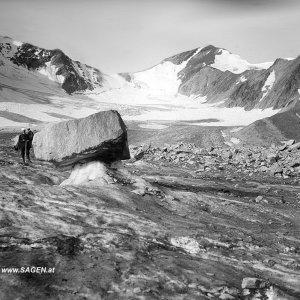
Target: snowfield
163,77
154,106
226,61
35,98
268,85
17,43
134,104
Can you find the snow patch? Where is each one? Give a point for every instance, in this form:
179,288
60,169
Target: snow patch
242,79
223,134
17,43
186,243
264,65
199,99
50,71
268,85
232,141
226,61
235,141
153,126
237,129
163,77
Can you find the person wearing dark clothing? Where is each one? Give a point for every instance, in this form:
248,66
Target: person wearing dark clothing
30,138
22,145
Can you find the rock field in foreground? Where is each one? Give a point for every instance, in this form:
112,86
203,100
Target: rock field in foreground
280,161
159,230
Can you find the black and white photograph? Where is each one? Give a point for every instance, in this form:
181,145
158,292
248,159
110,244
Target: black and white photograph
149,149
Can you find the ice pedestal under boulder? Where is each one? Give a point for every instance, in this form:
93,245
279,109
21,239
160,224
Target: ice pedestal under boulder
92,173
99,137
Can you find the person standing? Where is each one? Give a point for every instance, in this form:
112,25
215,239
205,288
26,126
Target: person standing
22,145
30,135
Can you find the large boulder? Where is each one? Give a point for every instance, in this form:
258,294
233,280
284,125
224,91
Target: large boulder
99,137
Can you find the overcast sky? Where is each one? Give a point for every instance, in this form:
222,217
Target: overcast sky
131,35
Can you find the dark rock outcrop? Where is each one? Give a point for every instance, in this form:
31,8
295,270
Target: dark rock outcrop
282,126
75,76
99,137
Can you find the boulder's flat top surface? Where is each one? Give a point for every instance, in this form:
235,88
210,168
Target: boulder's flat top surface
161,231
101,136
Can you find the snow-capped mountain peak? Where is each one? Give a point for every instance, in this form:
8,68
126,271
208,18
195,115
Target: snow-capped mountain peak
164,76
168,76
212,74
72,75
217,75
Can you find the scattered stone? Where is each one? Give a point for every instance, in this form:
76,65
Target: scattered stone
202,169
290,142
294,147
276,169
252,283
250,161
259,199
139,155
136,290
226,297
273,158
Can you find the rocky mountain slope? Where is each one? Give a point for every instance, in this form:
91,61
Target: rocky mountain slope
39,85
212,74
72,76
282,126
216,75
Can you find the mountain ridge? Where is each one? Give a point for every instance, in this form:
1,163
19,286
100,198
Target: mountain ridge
220,76
55,64
212,73
209,75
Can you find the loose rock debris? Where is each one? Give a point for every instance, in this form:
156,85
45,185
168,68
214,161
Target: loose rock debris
221,233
